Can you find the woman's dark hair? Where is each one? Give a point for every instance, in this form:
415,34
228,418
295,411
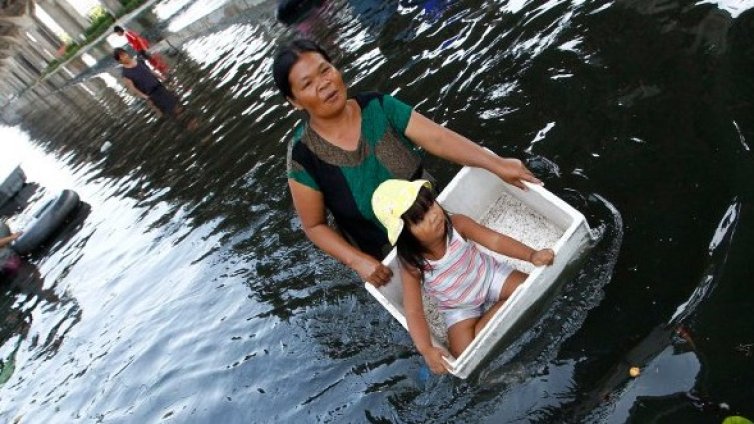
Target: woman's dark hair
118,29
286,57
117,52
410,249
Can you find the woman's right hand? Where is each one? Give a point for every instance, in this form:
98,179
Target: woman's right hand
435,358
372,271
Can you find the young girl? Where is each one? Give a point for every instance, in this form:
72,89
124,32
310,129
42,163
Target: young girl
436,252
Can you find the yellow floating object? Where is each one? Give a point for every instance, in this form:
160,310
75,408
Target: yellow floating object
634,371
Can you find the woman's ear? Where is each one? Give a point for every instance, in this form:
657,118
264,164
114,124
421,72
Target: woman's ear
294,103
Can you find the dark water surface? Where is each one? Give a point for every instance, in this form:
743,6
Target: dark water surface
188,292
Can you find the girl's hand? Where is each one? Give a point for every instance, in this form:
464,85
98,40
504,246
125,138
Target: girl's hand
542,257
372,271
436,361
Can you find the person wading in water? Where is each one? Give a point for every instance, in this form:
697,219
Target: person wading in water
141,47
147,84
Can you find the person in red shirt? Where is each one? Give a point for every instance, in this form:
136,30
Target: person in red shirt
139,43
141,46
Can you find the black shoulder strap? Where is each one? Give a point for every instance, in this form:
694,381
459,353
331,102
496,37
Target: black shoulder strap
363,99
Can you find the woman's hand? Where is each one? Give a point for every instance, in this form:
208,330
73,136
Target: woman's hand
154,107
371,270
434,357
448,144
513,171
9,239
542,257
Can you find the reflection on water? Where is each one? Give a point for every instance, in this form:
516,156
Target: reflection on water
189,292
23,294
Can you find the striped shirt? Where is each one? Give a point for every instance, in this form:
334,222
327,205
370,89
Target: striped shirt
463,277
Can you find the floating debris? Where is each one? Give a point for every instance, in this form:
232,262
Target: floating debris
634,371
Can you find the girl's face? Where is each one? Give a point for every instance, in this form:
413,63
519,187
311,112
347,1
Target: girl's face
431,228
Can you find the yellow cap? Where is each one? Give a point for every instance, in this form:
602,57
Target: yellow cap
391,200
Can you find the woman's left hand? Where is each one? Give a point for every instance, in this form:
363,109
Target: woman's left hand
372,271
513,171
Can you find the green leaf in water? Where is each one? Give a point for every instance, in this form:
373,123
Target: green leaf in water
736,420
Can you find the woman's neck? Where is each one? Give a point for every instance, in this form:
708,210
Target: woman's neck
343,130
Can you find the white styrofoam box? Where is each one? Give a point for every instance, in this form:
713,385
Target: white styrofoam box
536,217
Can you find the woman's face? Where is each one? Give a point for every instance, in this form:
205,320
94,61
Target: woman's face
124,58
317,86
431,228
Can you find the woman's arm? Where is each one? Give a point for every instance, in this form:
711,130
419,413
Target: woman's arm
132,88
449,145
310,207
417,323
500,243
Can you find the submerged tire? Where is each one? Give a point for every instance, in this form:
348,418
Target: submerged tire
45,221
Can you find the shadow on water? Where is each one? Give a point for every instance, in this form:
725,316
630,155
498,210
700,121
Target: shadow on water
21,296
667,357
632,106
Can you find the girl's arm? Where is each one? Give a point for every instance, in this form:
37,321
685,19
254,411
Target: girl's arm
500,243
310,207
449,145
417,323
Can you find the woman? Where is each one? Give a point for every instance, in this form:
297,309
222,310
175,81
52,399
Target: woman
140,80
348,146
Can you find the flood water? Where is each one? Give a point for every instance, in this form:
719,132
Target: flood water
185,291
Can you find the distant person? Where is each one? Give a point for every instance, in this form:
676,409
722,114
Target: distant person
5,241
9,260
139,43
439,256
141,47
147,84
